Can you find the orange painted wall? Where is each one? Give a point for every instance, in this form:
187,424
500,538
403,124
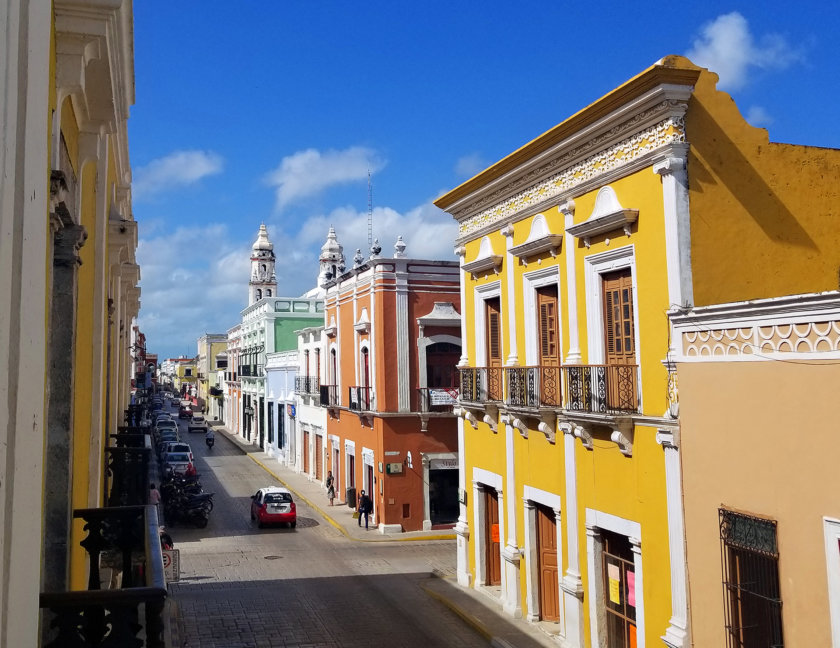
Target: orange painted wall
759,437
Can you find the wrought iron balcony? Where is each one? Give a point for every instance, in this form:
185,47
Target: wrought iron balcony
601,389
533,387
127,469
437,399
307,385
122,545
329,396
361,398
481,384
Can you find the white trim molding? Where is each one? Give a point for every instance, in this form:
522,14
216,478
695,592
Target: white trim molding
549,276
530,497
483,478
486,260
540,239
607,215
481,294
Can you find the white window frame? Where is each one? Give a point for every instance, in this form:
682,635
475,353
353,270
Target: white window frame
349,451
533,496
531,281
595,521
482,294
481,478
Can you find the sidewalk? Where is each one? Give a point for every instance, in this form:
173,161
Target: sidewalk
480,610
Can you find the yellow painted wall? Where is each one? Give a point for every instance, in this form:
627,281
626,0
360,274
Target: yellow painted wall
763,215
750,442
83,374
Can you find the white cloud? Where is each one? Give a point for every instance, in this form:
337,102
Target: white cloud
470,165
177,169
758,116
307,173
727,47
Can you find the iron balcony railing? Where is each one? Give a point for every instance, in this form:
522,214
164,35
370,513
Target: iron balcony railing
533,387
123,548
601,389
329,396
127,469
481,384
307,385
437,399
596,389
361,398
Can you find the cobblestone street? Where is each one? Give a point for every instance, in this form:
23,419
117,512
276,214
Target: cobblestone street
310,586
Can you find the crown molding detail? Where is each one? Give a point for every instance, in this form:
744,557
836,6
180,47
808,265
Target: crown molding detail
486,259
539,240
607,215
577,168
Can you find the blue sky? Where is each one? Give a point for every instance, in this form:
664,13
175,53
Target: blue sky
274,112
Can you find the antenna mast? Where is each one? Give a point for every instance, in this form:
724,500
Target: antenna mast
370,212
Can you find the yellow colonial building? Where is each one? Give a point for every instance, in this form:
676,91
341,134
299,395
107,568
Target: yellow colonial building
68,289
657,199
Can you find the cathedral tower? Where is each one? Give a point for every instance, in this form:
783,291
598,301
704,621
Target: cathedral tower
263,280
331,259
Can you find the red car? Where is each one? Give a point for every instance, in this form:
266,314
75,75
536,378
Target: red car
273,505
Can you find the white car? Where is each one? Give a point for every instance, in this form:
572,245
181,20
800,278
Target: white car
197,424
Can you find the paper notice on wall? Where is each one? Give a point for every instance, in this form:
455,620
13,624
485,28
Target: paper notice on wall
631,588
613,577
632,632
494,533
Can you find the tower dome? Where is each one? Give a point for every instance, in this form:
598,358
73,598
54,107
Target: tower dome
263,281
331,259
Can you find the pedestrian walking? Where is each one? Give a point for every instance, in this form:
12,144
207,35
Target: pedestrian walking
365,507
330,486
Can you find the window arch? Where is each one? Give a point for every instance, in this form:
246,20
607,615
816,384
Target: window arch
259,293
268,292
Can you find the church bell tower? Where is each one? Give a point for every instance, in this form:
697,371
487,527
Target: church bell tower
263,281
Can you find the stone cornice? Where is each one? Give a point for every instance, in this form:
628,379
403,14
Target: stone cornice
671,75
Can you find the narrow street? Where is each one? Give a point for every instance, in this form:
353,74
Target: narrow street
242,586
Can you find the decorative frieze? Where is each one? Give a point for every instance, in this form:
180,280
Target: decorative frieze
807,337
570,174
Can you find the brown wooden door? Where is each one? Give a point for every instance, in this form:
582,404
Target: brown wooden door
620,338
319,448
493,316
549,338
493,540
306,452
548,564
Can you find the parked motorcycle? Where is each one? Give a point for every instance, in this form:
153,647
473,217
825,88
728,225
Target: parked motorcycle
192,509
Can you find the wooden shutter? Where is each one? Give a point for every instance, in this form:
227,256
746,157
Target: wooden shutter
548,333
619,326
548,564
494,332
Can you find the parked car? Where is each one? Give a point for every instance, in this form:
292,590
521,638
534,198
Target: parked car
175,446
178,462
197,424
273,505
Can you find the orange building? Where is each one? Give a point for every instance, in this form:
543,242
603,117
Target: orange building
392,345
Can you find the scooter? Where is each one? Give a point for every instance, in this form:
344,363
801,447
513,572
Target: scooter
209,441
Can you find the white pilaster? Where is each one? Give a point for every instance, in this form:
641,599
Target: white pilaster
403,379
510,261
510,554
676,635
573,356
462,527
461,251
672,169
571,583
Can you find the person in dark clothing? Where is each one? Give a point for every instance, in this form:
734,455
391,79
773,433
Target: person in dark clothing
365,507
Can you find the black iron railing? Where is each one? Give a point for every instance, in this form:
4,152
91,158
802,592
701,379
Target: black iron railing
533,387
123,543
329,396
307,385
601,389
481,384
127,470
360,398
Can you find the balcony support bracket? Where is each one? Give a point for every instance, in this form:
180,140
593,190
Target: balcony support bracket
548,425
622,434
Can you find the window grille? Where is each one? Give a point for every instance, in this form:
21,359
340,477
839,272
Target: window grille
750,563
